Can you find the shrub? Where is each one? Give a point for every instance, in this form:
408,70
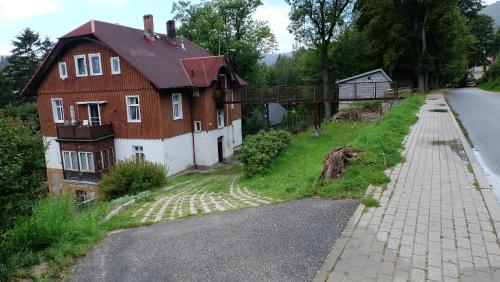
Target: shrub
22,169
131,177
259,150
55,230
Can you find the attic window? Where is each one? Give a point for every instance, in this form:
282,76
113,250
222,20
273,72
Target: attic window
63,70
115,65
95,64
80,65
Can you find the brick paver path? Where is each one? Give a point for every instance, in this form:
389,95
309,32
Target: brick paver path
432,223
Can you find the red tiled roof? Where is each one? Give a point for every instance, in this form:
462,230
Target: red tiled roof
165,62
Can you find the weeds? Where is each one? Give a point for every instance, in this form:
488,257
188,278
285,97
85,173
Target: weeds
370,202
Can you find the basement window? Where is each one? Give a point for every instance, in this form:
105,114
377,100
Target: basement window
138,152
95,64
63,70
80,65
197,126
115,65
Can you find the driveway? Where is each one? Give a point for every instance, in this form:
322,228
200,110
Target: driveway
283,242
479,113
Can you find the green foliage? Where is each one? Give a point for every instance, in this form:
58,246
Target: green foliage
132,176
227,27
253,119
56,230
27,113
22,169
482,28
295,172
370,202
145,197
259,150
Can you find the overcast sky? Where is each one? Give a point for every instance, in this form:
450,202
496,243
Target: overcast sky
55,18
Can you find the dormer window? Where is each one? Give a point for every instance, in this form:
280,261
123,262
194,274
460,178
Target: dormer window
95,64
63,70
115,65
80,65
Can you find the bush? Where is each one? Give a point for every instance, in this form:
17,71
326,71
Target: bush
55,230
22,170
259,151
131,177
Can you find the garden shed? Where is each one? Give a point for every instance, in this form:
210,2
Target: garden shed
372,84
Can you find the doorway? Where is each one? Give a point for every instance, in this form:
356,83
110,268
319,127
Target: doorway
219,149
94,114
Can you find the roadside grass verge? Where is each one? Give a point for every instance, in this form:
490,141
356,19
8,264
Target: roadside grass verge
295,172
491,85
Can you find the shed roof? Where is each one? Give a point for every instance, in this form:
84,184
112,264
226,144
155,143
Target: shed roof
365,74
162,62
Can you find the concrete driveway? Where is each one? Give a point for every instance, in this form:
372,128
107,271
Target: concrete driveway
282,242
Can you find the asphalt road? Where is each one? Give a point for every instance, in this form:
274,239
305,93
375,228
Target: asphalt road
479,112
283,242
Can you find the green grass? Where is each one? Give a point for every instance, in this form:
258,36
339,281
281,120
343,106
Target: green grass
492,85
295,173
370,202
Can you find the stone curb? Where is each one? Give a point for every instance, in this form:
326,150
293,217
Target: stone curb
484,186
338,247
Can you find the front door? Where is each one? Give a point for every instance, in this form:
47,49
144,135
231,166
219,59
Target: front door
219,149
94,115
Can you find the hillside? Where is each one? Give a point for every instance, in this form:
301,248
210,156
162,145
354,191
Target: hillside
493,11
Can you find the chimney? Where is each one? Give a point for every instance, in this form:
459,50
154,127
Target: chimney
171,29
149,30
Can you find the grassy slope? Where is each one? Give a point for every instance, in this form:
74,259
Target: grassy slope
490,85
296,170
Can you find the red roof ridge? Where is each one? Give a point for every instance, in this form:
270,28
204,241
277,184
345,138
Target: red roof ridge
203,57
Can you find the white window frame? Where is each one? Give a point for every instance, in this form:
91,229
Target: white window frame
70,166
138,152
108,159
220,118
119,70
98,111
55,113
130,105
179,104
91,64
197,126
76,65
87,163
61,66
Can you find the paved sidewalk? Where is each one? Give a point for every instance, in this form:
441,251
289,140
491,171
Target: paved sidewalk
432,223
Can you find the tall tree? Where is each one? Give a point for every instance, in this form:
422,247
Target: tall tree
227,27
25,58
482,28
315,23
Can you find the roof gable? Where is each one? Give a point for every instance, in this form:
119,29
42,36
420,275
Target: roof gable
364,74
161,62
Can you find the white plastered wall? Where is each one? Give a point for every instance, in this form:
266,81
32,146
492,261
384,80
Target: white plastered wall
52,152
237,133
206,147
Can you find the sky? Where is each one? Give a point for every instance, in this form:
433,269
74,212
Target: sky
54,18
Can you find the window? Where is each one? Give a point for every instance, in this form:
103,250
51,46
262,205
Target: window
105,159
115,65
196,92
80,65
220,118
197,126
58,110
70,161
81,196
86,161
177,105
133,109
138,152
95,64
63,70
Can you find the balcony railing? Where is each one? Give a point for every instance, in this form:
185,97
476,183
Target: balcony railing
84,132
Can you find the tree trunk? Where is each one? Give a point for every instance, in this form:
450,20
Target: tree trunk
326,81
423,75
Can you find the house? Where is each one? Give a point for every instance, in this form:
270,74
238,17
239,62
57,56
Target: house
372,84
107,92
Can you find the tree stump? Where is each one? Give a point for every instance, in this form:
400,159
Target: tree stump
336,162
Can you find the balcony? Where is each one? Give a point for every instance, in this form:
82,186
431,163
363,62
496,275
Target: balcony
84,133
89,177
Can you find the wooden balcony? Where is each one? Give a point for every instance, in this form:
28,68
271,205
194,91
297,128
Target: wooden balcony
90,177
85,133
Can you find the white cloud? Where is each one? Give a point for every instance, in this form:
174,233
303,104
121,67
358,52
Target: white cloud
21,9
4,50
277,17
106,2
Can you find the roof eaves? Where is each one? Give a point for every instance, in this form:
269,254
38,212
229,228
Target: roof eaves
363,74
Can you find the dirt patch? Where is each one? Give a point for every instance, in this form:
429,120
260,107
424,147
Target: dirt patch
455,146
439,110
